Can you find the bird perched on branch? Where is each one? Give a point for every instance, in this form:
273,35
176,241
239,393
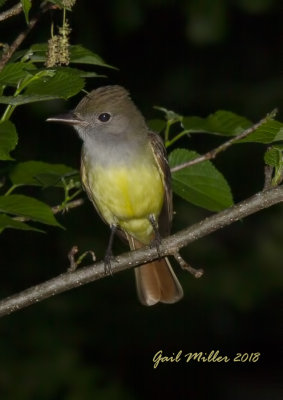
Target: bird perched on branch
125,173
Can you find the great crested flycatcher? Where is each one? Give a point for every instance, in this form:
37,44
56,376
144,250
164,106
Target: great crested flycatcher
125,173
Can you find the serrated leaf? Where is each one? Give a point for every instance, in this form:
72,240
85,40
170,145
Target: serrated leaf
38,173
26,7
26,98
278,126
226,123
64,83
272,157
270,131
11,74
8,139
24,206
8,222
201,184
220,123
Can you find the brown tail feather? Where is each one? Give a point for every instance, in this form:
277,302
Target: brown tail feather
156,281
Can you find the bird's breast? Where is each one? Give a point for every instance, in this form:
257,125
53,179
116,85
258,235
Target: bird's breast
125,193
128,192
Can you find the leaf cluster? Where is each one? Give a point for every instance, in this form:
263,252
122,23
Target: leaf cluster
26,79
202,184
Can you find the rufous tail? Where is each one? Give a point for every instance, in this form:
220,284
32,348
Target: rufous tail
156,281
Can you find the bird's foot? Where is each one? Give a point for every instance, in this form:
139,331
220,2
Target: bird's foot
157,238
108,260
155,243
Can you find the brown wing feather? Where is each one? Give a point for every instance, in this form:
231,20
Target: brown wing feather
159,152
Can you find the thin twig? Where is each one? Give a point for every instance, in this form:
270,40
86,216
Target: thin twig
21,37
71,256
168,246
75,263
56,209
213,153
70,205
15,10
197,273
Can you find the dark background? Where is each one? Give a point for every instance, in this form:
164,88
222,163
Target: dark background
97,342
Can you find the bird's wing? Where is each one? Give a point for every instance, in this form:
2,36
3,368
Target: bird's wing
159,152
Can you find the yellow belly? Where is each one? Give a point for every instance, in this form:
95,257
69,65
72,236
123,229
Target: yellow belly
128,196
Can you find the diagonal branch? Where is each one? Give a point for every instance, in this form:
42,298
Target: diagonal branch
21,37
210,155
15,10
168,246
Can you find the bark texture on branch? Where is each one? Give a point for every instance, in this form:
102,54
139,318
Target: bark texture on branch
15,10
128,260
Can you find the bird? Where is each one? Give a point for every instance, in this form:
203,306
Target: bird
125,173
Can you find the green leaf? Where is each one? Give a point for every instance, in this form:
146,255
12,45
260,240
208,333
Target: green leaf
8,139
26,7
201,184
278,127
169,114
65,83
8,222
11,74
156,125
78,55
25,99
37,52
221,122
28,207
88,74
270,131
38,173
226,123
81,55
2,2
273,157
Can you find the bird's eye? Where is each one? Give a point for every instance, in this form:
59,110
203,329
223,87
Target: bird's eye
104,117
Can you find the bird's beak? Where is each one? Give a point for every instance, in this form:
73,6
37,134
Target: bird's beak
68,119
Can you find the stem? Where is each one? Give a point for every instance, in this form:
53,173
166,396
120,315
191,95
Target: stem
64,17
166,133
177,137
25,82
7,113
11,189
67,200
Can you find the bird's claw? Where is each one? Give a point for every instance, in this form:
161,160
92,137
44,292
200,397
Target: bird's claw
155,243
108,259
